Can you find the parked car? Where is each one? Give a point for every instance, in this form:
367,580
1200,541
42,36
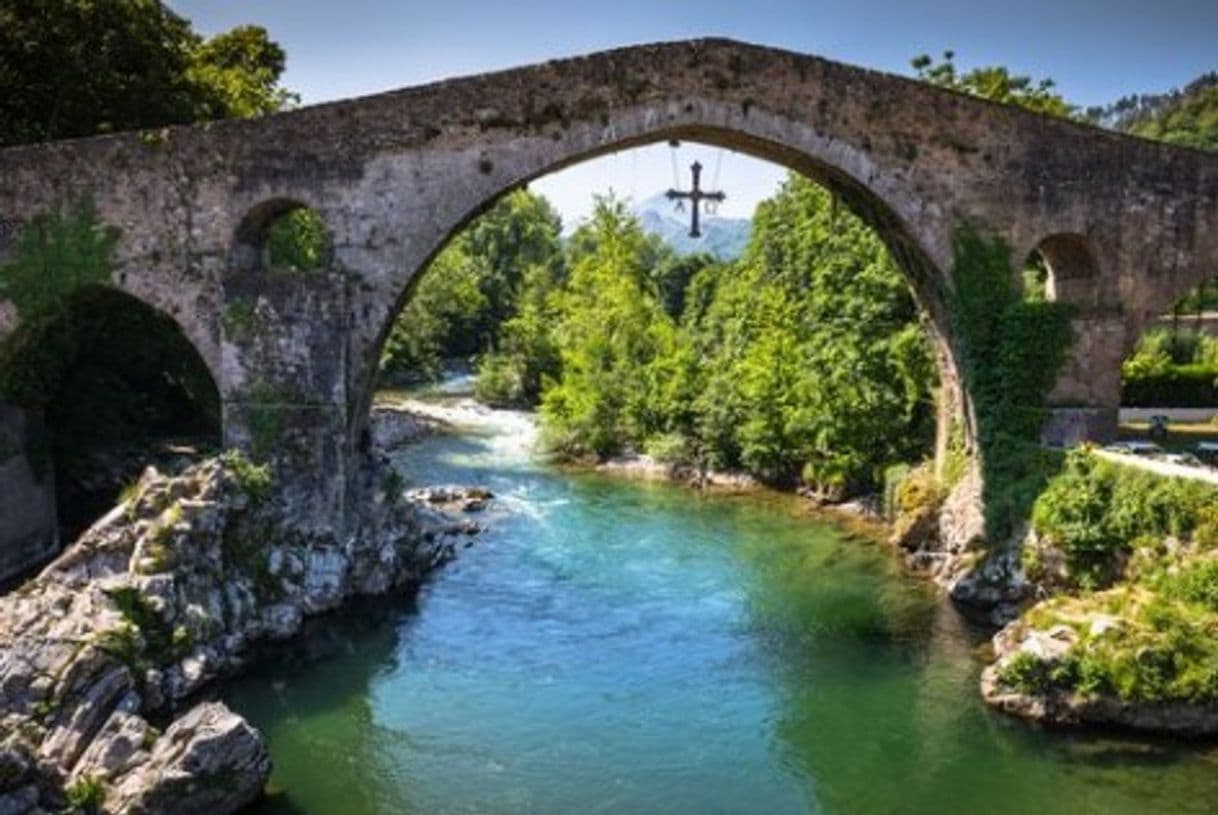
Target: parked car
1136,447
1207,451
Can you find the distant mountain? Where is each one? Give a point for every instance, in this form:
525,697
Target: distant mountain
725,238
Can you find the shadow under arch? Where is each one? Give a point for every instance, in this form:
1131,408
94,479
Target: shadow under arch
1073,269
928,282
113,380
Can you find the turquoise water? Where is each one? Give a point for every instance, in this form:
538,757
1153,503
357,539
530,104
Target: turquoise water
613,647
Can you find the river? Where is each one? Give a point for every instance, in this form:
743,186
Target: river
618,647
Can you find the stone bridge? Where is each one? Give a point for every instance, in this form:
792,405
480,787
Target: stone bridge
1125,225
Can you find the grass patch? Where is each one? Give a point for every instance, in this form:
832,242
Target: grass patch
255,480
86,794
1153,637
143,639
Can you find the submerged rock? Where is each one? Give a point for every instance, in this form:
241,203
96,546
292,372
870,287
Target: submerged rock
162,596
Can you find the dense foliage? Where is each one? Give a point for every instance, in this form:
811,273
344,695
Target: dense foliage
804,360
1011,348
1154,636
297,241
994,83
814,364
618,348
1096,512
1187,116
56,254
1172,368
80,67
464,301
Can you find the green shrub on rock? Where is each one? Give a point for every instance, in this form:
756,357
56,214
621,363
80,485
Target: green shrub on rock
1096,510
86,794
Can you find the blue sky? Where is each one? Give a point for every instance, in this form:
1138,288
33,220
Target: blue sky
1097,50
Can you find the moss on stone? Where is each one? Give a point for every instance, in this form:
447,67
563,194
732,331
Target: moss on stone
255,480
240,319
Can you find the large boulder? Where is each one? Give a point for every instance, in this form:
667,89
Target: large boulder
209,760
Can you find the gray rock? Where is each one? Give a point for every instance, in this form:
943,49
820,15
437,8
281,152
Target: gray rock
68,706
210,760
21,801
118,746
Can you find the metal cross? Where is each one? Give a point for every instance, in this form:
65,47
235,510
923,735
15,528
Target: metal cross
696,196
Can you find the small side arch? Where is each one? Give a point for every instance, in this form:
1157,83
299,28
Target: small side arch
277,233
1073,270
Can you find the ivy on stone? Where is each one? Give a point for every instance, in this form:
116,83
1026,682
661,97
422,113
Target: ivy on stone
1011,349
57,254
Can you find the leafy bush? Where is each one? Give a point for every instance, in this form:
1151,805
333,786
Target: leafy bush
1025,673
1195,582
1192,385
1096,510
255,480
667,448
86,794
298,241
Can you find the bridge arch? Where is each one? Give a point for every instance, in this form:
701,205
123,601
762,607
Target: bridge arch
395,175
1073,269
926,278
106,380
878,198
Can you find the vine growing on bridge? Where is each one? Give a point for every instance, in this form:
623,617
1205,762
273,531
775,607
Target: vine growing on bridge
57,255
1011,350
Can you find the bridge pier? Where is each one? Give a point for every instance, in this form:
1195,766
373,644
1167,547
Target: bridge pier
1085,403
284,370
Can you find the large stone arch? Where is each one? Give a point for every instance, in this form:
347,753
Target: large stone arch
922,251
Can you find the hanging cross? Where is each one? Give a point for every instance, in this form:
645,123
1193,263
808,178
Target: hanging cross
696,196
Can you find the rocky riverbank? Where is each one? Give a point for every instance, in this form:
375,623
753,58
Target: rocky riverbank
1122,564
398,424
102,653
1034,677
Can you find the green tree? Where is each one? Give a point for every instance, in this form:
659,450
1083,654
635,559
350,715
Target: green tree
614,342
80,67
238,74
1188,116
441,320
996,84
470,294
815,362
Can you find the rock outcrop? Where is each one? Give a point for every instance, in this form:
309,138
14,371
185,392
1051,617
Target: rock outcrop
1045,702
169,591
